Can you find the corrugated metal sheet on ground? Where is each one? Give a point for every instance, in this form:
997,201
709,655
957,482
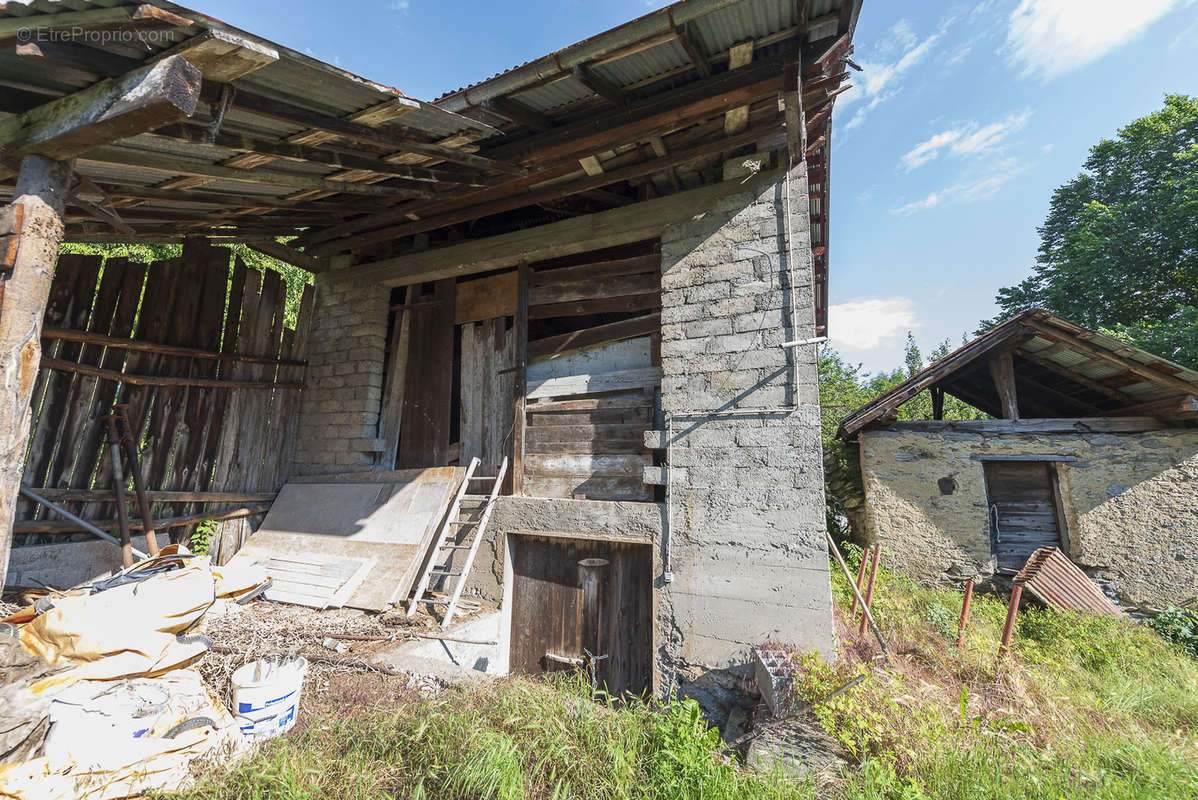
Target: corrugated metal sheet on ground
1054,579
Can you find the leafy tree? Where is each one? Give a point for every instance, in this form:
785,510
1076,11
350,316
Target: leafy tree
1119,249
912,357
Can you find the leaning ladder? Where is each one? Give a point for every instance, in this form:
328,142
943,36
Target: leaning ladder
447,543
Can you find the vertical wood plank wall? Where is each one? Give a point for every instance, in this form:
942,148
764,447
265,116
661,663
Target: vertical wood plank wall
194,438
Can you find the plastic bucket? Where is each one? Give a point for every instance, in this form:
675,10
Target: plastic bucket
266,696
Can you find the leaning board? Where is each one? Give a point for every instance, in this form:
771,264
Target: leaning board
386,521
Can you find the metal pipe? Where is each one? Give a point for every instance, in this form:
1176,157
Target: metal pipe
1009,626
591,572
869,590
801,342
87,526
118,490
964,612
139,487
662,21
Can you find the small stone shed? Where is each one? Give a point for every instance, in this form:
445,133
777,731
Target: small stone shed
608,265
1093,448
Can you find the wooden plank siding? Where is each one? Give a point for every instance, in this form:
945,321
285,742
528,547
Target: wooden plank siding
191,438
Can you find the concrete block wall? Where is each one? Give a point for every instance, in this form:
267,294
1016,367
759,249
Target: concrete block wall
746,545
339,414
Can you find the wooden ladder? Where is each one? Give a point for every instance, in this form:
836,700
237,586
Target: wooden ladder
450,540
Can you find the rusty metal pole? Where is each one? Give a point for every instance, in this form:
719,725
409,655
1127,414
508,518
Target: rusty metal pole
139,487
964,612
1009,625
857,593
860,581
118,489
869,590
592,572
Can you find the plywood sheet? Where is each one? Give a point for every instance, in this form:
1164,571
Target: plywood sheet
389,523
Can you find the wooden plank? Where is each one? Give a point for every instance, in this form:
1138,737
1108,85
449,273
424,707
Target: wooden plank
589,337
635,400
617,226
590,289
103,496
583,446
1047,425
610,357
105,112
592,384
66,526
486,298
488,392
609,268
586,465
391,417
604,305
583,431
424,429
520,387
139,17
223,56
642,416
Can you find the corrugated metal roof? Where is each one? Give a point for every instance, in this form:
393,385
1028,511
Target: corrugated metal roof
1055,580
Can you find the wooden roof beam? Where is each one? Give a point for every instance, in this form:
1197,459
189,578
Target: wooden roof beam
1065,372
697,59
113,109
737,119
223,56
599,85
517,112
1055,334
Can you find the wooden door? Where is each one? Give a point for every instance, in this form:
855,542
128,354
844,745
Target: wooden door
548,614
1023,510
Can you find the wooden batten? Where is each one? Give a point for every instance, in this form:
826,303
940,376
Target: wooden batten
486,298
223,56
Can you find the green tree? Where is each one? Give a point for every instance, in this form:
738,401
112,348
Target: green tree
912,357
1119,248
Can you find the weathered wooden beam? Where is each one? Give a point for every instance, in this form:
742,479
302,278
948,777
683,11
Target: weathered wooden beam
612,331
67,526
121,343
42,186
79,57
1171,408
1073,375
183,166
599,85
156,380
1069,400
223,56
141,17
286,253
1002,371
697,59
605,229
1109,424
737,119
1055,334
820,63
105,496
555,192
796,120
261,105
514,111
104,112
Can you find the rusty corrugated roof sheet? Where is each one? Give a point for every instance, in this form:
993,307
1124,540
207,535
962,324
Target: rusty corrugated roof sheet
1054,579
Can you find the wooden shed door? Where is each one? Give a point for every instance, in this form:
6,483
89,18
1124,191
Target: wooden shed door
1023,510
548,614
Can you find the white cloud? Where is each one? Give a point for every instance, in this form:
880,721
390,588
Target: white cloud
871,323
1051,37
399,5
965,191
878,80
965,141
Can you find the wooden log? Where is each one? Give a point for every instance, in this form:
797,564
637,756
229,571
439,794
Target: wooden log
156,380
105,112
67,526
123,343
1002,371
41,190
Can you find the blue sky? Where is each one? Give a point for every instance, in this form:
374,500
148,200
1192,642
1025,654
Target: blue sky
966,117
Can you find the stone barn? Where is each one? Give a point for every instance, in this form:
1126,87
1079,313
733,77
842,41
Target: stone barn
561,320
1092,448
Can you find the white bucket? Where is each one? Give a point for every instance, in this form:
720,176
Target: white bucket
266,696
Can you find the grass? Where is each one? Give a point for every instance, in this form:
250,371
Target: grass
1082,707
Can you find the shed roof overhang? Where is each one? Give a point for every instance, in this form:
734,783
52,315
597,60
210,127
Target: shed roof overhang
1061,370
281,144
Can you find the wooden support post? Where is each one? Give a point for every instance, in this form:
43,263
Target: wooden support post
118,492
964,613
40,195
393,393
860,580
796,119
937,402
129,443
869,589
1002,370
520,420
1009,626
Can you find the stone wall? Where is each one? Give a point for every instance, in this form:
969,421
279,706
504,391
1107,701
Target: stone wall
346,347
746,543
1130,504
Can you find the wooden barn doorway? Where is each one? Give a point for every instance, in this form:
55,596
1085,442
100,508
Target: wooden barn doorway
1023,501
560,607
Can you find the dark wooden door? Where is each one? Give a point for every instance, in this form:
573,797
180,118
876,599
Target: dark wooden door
1023,510
548,614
